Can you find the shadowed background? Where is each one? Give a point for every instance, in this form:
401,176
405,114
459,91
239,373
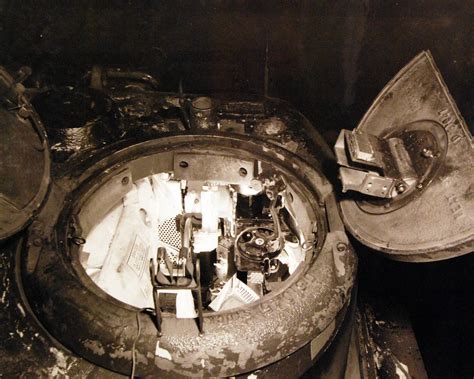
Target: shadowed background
328,58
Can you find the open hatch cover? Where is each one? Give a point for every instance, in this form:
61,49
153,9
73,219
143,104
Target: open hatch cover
407,170
25,160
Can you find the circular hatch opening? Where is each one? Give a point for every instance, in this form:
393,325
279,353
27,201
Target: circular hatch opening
252,212
249,221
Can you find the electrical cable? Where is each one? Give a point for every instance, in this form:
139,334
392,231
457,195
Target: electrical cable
139,329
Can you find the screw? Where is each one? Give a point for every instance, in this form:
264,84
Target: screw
401,187
427,153
78,241
183,164
419,186
242,171
259,241
341,246
125,180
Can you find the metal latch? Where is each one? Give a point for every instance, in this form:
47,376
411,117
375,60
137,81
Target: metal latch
374,166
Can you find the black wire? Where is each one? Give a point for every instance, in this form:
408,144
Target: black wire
139,329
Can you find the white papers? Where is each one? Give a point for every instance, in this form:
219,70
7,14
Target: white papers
234,294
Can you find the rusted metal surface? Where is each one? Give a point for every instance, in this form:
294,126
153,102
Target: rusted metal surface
189,166
103,330
332,362
77,119
27,350
387,341
234,342
24,162
438,222
203,113
398,166
30,351
123,112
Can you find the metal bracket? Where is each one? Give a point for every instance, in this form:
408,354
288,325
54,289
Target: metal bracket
192,282
213,168
374,166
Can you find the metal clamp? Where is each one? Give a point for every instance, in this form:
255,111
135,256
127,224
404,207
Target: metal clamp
374,166
191,282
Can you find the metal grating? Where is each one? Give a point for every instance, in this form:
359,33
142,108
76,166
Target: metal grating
169,234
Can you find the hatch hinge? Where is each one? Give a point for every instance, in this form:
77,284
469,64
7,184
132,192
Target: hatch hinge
12,92
374,166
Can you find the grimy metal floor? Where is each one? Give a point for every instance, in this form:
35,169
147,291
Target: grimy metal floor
376,340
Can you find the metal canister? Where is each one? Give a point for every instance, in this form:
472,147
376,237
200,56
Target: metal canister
203,113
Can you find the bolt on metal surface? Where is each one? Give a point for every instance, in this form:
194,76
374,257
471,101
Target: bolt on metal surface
341,246
401,187
427,153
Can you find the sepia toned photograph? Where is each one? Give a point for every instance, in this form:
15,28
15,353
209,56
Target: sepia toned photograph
237,189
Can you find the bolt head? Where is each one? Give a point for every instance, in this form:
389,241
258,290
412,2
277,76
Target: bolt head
341,246
427,153
401,187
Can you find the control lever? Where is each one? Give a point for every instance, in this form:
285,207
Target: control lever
162,254
192,282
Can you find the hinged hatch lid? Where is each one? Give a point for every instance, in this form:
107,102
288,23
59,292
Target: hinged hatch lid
407,170
25,159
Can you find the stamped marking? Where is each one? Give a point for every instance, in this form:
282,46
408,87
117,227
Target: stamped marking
451,125
455,206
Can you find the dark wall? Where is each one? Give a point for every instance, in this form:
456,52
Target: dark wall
329,58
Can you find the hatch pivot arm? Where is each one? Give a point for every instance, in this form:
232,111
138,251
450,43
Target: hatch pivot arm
374,166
